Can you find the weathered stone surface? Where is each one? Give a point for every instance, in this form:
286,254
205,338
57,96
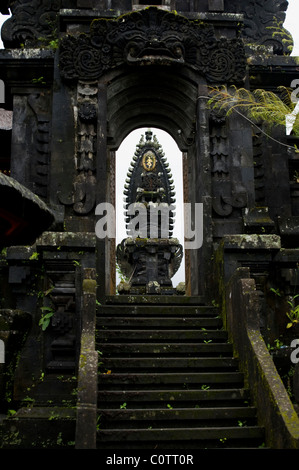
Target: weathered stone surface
260,20
296,384
147,370
31,23
88,365
242,317
75,92
24,216
254,241
52,240
5,119
219,61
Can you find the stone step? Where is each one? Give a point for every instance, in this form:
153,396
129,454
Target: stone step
205,437
214,364
40,427
160,335
157,310
163,349
173,398
180,417
141,322
168,380
154,299
188,381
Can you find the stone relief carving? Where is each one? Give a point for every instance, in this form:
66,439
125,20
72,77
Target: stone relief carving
259,170
260,16
150,259
29,22
150,37
227,194
83,197
34,19
143,182
39,165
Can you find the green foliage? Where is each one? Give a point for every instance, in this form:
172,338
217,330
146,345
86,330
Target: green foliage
46,317
205,387
3,252
277,345
52,40
59,439
296,176
293,312
259,106
98,422
34,256
276,291
279,32
241,423
39,80
121,276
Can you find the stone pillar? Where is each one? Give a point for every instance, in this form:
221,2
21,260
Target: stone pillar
102,192
200,258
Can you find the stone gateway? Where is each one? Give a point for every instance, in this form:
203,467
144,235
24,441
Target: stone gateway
91,363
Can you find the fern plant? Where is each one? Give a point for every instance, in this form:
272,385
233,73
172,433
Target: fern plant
259,106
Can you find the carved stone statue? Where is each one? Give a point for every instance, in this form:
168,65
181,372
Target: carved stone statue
149,257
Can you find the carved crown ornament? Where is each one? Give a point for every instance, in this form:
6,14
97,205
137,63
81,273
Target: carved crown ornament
34,23
151,37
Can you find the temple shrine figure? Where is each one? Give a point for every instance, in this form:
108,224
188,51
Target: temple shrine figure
149,257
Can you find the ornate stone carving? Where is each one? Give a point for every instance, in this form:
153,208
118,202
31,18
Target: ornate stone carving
35,19
259,171
227,194
148,37
39,165
87,112
149,257
30,21
83,197
260,16
223,205
149,178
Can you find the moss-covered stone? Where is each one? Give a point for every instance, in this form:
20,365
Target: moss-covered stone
89,286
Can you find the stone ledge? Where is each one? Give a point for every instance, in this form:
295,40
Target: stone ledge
251,242
83,240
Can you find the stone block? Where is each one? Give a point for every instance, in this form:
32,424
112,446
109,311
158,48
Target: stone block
216,5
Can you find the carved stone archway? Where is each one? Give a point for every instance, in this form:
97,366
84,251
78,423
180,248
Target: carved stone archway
151,97
146,68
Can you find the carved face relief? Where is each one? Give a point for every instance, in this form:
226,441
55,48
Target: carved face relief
151,37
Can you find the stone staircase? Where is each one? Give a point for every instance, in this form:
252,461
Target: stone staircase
168,378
